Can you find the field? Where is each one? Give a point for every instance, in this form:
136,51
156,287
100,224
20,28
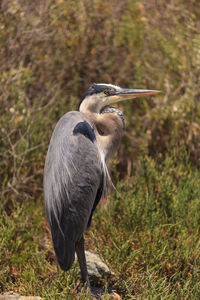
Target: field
147,230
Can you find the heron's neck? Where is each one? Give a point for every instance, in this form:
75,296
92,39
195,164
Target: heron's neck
91,105
109,131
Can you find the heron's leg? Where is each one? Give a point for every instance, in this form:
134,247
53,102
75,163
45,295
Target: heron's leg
82,261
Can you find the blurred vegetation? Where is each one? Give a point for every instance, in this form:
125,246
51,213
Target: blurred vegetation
50,51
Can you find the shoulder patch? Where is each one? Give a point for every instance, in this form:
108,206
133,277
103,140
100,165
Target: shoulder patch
86,129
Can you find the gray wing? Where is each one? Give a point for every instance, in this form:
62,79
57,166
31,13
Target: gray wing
72,178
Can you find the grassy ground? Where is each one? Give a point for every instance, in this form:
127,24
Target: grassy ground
149,230
148,235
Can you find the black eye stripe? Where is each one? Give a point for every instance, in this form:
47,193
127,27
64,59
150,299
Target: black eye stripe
97,88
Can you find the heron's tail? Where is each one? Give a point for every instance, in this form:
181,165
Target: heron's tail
64,249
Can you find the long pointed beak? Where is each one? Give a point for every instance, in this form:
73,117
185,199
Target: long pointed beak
125,94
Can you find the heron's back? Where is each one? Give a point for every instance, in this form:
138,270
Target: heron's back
72,178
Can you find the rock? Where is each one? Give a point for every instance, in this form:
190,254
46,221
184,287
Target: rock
96,268
13,296
115,296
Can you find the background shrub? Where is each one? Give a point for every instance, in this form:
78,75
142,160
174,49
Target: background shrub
50,52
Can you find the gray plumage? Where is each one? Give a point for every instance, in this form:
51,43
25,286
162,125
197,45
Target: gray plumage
68,191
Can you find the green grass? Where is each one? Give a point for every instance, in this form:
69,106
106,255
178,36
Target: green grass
148,235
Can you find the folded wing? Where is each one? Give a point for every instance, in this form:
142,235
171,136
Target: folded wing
72,182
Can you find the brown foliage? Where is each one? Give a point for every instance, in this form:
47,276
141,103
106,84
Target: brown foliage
51,51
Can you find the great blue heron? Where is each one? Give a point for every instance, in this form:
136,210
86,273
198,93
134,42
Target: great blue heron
75,167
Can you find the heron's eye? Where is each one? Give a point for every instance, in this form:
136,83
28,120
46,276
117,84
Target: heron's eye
101,132
107,92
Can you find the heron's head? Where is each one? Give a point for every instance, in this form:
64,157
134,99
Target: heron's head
100,95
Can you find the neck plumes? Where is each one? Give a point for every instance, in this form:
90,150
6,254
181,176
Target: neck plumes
108,126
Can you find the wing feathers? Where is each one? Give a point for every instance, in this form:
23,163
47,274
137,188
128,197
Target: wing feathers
72,177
